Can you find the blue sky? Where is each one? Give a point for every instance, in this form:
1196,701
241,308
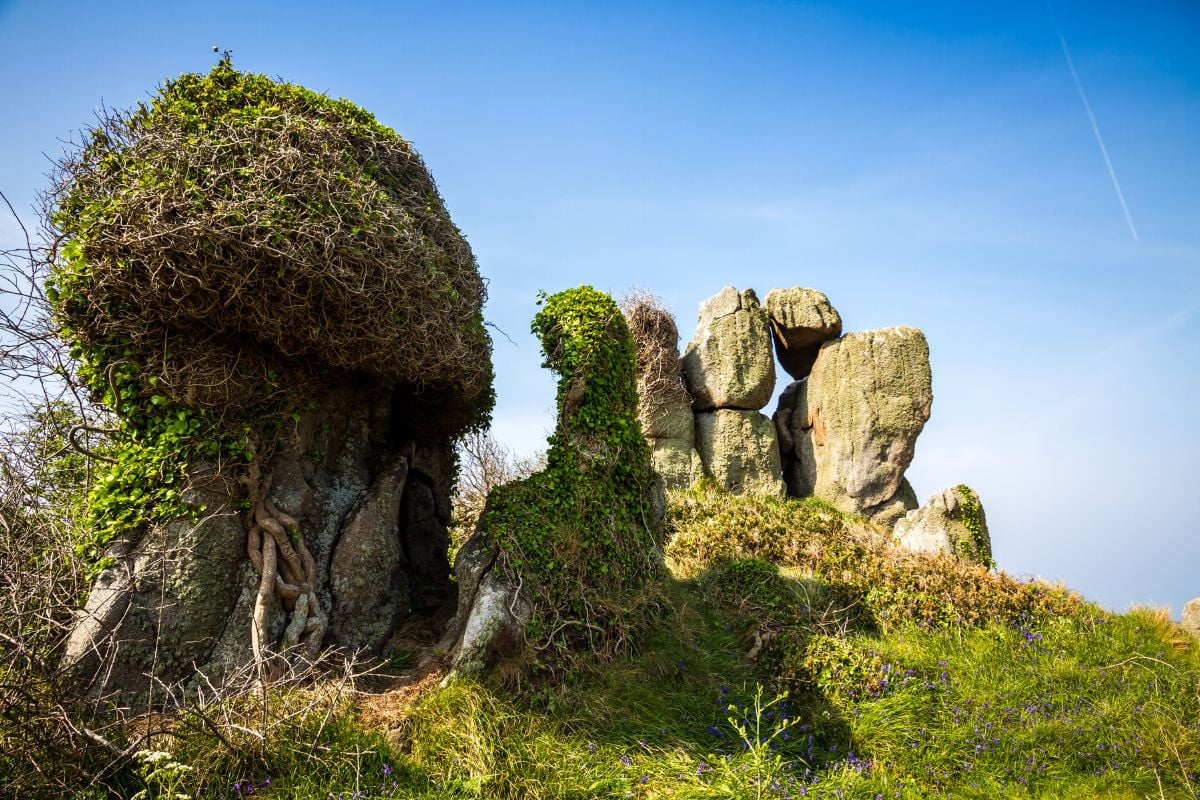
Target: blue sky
929,164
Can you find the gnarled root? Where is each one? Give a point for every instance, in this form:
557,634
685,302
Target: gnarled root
287,570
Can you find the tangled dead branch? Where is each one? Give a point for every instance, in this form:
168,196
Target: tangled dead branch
656,342
238,237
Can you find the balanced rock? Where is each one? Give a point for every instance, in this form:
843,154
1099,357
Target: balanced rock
1191,616
728,364
801,321
951,521
739,450
856,419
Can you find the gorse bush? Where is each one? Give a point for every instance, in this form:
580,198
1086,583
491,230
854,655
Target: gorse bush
582,534
854,560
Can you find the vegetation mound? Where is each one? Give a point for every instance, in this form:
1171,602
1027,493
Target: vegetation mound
583,534
236,237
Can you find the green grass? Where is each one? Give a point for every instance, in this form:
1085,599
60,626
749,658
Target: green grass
1027,701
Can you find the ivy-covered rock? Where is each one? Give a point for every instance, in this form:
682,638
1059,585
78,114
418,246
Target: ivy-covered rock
264,288
578,543
951,521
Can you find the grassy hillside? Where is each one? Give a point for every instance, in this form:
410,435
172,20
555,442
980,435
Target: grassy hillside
796,655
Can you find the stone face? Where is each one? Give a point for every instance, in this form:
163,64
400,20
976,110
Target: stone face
1191,616
676,461
739,450
728,363
369,585
801,321
856,419
952,522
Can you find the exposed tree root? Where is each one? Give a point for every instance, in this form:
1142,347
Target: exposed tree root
275,545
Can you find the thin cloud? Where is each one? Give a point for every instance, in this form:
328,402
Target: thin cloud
1112,173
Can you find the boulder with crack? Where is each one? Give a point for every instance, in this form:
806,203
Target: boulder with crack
853,422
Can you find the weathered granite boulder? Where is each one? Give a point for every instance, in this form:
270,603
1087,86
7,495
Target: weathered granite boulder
855,420
951,521
801,321
1191,616
676,461
739,450
728,363
175,605
491,614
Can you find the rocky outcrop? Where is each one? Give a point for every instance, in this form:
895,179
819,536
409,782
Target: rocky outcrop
177,599
852,424
951,521
728,363
738,449
1191,616
801,321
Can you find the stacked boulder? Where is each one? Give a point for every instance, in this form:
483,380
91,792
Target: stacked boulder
848,425
845,429
852,423
730,373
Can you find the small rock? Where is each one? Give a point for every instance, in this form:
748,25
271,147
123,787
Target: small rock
728,364
801,321
951,521
1191,616
739,450
492,615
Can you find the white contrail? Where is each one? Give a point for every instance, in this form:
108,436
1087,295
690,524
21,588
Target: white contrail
1112,173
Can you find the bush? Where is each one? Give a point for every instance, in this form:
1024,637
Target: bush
887,584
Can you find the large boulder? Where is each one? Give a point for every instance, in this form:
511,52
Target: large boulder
728,363
801,321
739,450
174,606
951,521
1191,616
856,418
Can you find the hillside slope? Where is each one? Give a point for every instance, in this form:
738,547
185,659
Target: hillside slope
796,655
